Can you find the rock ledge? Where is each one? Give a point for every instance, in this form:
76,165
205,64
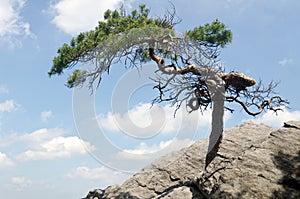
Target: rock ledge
254,161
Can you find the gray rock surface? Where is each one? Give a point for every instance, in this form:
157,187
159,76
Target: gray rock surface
254,161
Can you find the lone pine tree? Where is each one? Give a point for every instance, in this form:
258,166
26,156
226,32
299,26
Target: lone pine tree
188,66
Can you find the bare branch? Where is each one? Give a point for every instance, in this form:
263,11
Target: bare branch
258,99
170,16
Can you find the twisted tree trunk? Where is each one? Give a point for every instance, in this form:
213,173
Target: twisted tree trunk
217,90
216,87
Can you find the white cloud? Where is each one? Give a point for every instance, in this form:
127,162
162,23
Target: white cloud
8,106
144,121
46,144
74,16
143,148
285,61
108,122
20,183
5,162
276,121
102,174
141,121
58,147
45,115
36,137
143,151
11,23
42,134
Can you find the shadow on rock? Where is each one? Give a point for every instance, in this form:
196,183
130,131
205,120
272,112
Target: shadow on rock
290,181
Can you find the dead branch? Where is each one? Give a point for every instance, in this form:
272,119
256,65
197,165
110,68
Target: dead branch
275,104
239,88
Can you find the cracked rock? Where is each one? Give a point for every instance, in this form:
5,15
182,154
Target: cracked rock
254,161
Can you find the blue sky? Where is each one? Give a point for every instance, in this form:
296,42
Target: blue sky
47,144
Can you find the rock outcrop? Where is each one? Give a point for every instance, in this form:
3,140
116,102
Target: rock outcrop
254,161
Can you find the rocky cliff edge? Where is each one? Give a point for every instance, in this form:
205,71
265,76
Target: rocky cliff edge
254,161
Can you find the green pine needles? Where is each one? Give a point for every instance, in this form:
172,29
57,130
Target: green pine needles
85,46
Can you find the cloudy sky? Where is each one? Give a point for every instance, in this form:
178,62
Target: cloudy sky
57,142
